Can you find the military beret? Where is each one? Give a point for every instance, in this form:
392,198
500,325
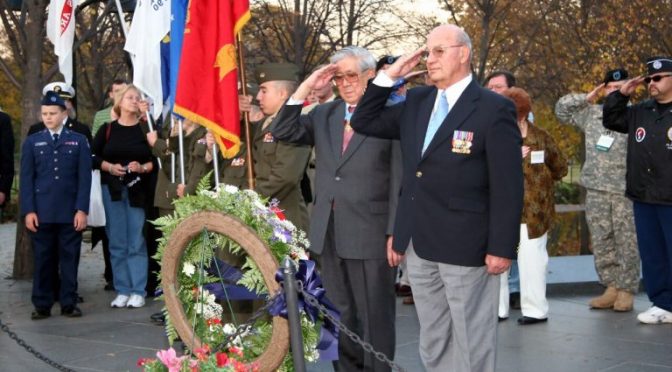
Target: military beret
63,89
618,74
659,64
276,72
52,98
385,60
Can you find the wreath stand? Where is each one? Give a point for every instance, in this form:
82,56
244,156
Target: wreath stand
255,248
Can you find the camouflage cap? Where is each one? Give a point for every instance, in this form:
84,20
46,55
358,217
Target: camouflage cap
276,72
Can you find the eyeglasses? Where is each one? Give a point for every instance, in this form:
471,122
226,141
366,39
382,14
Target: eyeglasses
656,78
438,51
350,77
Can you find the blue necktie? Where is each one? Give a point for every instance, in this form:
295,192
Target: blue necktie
55,137
436,120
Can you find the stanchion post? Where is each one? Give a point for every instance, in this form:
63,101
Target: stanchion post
292,299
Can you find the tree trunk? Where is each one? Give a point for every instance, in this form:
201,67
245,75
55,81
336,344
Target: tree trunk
31,92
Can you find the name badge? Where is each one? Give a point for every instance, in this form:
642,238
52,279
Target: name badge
537,157
462,142
268,138
40,144
604,143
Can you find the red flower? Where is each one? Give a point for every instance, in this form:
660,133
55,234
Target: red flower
222,359
278,212
202,352
236,351
142,361
212,321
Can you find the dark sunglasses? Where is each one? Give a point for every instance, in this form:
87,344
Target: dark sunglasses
656,78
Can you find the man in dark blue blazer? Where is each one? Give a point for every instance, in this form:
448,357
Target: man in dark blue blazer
54,194
461,199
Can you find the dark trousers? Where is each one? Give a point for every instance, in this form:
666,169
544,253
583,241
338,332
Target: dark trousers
56,249
654,237
98,235
363,291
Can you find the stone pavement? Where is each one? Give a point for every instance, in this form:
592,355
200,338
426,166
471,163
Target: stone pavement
105,339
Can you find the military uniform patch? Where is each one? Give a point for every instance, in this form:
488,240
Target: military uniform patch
640,134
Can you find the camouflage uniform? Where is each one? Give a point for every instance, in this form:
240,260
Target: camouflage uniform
608,212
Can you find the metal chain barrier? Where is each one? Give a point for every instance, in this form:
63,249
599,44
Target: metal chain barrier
248,324
352,335
30,349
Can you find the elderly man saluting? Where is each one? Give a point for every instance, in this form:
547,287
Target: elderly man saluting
461,197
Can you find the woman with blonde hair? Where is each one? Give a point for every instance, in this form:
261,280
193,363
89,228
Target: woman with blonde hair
124,157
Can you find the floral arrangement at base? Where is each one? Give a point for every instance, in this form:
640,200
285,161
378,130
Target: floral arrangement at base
197,277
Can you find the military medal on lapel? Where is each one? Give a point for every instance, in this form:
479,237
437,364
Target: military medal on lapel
268,138
462,141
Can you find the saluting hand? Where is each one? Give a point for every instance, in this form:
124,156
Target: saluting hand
404,64
595,93
629,86
31,222
80,221
319,79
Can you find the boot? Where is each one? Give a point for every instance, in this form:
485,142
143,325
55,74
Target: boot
624,301
606,301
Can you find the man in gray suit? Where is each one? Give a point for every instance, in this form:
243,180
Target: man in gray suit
357,185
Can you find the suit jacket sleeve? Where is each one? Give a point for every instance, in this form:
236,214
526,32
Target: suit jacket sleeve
290,126
84,178
27,179
395,185
505,173
372,117
6,155
615,112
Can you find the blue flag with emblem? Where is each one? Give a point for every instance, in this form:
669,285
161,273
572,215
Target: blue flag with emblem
178,19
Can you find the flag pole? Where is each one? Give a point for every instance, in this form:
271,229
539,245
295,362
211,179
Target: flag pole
121,18
180,138
215,165
246,115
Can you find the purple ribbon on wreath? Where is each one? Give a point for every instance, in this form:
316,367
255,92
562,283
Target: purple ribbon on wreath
327,345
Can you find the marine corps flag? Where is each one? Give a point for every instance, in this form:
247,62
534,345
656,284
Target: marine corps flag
207,82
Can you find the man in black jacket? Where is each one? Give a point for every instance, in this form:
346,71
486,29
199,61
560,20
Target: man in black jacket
6,159
649,177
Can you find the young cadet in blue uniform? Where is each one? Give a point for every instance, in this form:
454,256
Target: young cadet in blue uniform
54,194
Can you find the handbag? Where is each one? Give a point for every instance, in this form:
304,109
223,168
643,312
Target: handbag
96,215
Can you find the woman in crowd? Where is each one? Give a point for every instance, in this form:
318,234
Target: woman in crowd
543,164
124,157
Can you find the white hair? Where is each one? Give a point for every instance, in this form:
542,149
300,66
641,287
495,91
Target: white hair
365,58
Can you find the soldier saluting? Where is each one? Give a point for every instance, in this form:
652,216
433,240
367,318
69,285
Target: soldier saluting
55,187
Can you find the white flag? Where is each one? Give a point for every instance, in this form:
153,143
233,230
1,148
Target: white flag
61,32
150,24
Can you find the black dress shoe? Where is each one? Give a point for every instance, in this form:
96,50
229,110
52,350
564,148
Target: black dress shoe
109,286
158,318
526,320
38,314
502,318
514,300
402,290
80,299
71,312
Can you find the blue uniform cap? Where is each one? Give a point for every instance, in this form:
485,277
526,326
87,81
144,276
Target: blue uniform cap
52,98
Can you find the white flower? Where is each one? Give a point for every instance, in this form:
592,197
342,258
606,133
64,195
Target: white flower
229,328
188,269
231,189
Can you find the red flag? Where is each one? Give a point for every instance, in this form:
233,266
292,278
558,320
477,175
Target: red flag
207,84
